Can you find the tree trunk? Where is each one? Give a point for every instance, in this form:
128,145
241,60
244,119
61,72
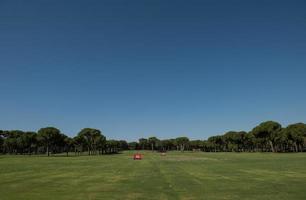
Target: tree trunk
48,150
272,147
296,147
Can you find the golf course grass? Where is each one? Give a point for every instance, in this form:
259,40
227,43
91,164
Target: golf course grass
188,175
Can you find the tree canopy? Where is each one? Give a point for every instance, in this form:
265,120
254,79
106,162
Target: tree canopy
268,136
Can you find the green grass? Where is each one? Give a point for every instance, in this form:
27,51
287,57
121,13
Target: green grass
174,176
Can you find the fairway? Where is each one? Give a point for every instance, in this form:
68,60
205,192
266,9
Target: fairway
174,176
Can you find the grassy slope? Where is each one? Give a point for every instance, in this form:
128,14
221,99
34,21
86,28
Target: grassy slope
175,176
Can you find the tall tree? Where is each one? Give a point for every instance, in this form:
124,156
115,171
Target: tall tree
281,141
2,136
133,145
78,143
1,141
123,145
26,141
249,141
11,143
216,143
68,144
296,133
48,137
100,143
91,138
143,143
152,141
267,131
182,142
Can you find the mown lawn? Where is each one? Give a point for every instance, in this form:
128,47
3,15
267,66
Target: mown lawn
175,176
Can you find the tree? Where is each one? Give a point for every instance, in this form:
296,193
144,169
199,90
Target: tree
48,136
91,138
11,143
281,141
166,145
78,143
267,136
249,141
67,143
26,141
112,146
182,142
296,133
1,141
152,141
133,145
230,138
143,143
195,144
123,145
100,143
217,142
267,132
234,141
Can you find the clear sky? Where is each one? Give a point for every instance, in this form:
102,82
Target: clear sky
156,67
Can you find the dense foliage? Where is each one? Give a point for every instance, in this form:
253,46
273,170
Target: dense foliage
266,137
50,140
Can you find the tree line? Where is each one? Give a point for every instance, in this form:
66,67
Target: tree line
51,140
268,136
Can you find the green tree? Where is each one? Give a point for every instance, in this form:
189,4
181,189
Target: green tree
195,144
267,132
100,141
112,146
249,141
217,143
78,144
48,137
296,133
26,141
1,141
143,143
91,138
11,143
281,141
133,145
123,145
152,141
182,142
67,144
166,145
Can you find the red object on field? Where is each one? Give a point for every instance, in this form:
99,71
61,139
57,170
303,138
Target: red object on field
137,156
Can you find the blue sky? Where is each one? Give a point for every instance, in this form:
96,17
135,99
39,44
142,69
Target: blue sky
142,68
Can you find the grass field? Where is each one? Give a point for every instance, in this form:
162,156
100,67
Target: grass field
174,176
